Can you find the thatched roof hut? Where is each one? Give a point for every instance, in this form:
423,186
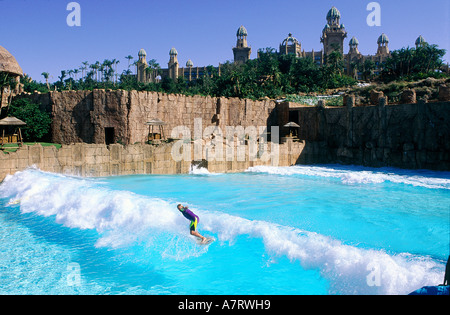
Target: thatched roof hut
8,63
11,121
13,124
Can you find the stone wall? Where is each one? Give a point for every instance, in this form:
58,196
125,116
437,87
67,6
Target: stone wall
411,136
82,116
98,160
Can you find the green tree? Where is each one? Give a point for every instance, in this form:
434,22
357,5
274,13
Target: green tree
428,58
84,68
413,63
168,85
38,121
306,75
129,57
62,76
7,80
46,75
367,68
335,62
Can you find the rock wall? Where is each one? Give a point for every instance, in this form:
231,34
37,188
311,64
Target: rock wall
98,160
411,136
82,116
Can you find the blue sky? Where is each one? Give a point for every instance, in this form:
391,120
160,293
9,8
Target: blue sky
36,32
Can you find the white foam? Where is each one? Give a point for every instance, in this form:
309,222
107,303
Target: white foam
119,216
360,175
123,218
196,170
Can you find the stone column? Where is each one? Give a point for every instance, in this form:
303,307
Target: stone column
444,93
375,96
408,97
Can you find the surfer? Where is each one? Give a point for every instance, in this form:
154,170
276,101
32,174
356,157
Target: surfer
188,214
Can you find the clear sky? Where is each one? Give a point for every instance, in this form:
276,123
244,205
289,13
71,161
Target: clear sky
36,32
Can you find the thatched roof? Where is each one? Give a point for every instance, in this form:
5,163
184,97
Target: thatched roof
156,122
11,121
291,125
8,63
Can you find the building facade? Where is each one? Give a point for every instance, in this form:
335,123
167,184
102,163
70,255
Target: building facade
332,38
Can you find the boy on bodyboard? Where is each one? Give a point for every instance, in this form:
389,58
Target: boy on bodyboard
188,214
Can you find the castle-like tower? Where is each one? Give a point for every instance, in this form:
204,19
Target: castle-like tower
173,64
353,58
141,66
291,45
334,33
383,48
354,47
242,51
333,36
420,41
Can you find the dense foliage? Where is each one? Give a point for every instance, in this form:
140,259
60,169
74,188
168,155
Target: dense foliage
270,75
414,63
38,121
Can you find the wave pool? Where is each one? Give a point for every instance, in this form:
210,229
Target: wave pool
280,230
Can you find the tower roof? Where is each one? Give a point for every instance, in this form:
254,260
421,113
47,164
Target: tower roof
420,40
142,53
333,13
189,63
8,63
353,41
242,31
173,52
290,40
383,39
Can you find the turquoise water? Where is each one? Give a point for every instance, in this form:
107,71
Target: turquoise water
280,230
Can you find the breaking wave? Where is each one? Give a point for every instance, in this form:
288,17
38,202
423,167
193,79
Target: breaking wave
363,175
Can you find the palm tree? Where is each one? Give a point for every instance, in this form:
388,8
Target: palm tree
62,76
129,57
96,67
46,75
114,64
84,67
75,72
92,67
117,62
135,65
106,69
